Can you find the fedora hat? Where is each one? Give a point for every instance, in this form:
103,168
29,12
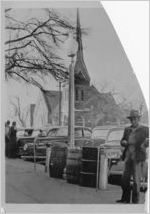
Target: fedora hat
134,114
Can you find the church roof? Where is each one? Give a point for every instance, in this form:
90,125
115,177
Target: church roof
103,96
80,67
51,99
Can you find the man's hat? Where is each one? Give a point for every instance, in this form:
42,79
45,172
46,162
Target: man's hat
134,114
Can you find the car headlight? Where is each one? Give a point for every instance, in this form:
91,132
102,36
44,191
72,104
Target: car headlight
25,147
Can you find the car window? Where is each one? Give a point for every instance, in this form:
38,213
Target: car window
35,133
28,132
115,135
62,132
20,133
87,133
52,132
42,133
99,133
78,133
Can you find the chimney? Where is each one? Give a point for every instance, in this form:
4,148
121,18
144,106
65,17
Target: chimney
32,108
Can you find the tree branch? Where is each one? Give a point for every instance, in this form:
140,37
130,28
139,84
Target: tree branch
16,48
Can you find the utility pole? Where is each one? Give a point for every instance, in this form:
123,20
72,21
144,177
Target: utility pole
72,51
60,98
71,103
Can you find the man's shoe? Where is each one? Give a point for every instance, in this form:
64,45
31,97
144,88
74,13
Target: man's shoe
122,201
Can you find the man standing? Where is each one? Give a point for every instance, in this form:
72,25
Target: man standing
13,140
7,140
135,141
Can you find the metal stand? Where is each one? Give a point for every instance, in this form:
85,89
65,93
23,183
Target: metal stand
98,170
47,162
34,152
103,170
71,104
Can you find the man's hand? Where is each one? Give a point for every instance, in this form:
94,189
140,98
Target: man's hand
145,144
124,143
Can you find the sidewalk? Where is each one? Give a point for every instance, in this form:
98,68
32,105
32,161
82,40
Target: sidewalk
24,185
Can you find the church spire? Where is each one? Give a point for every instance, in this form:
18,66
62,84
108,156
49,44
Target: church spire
78,33
80,67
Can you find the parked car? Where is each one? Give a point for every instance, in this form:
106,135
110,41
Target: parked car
99,134
114,150
109,137
57,136
26,137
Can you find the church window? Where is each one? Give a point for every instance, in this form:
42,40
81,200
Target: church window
77,94
82,95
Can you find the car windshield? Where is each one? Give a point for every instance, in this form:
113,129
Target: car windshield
99,133
115,135
63,132
78,133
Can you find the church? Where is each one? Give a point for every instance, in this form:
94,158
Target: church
92,108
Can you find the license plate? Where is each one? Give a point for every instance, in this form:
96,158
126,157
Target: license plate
113,154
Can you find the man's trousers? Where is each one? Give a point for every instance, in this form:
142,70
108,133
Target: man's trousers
131,169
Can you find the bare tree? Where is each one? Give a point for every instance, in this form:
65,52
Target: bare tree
30,46
141,107
20,113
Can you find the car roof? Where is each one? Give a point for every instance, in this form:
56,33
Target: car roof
117,128
22,128
103,127
108,127
57,127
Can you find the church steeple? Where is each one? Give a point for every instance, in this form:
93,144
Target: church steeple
79,34
81,73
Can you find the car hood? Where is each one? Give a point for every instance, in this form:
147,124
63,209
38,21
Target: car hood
83,142
98,142
94,143
24,137
114,144
63,141
52,138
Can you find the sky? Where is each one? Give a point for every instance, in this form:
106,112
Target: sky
104,55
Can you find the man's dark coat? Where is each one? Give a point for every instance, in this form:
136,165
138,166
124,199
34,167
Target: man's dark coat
141,133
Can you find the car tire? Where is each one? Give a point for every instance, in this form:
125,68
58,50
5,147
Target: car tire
57,161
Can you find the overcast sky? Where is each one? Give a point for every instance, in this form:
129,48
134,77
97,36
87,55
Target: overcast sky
104,55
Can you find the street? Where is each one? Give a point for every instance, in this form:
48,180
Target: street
24,185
